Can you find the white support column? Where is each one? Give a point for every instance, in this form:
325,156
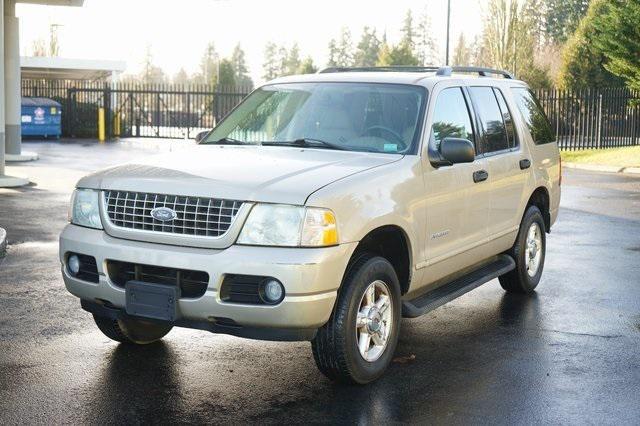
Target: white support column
5,181
12,113
2,94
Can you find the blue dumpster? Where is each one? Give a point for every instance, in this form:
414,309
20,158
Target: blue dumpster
41,117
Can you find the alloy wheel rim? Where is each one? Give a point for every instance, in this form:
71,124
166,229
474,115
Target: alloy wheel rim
374,321
533,250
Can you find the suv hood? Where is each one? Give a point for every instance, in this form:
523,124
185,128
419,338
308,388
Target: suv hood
285,175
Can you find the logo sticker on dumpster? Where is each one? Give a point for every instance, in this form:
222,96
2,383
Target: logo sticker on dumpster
38,115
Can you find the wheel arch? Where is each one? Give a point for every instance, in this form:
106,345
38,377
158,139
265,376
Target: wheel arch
540,198
391,242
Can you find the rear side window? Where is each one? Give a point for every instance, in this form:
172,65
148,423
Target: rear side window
533,115
495,133
506,117
451,117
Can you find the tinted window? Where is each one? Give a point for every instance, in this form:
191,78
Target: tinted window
495,134
451,117
506,117
534,116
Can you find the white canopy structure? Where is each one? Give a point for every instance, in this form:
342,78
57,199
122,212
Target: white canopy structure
10,138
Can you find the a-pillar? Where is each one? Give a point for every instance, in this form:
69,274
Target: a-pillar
12,112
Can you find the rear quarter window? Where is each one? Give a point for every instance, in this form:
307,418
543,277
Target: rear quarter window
534,116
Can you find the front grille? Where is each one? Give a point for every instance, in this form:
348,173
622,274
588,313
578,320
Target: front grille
193,284
197,216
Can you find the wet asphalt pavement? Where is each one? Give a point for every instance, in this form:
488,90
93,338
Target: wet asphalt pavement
568,354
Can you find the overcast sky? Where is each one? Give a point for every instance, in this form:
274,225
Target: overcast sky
178,31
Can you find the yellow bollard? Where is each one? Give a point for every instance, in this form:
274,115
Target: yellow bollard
116,125
101,124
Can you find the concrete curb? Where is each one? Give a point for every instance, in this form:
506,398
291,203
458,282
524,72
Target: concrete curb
602,168
3,242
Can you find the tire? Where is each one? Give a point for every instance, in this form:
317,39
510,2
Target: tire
526,276
335,347
131,331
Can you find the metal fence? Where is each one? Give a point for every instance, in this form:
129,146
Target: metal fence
589,118
139,110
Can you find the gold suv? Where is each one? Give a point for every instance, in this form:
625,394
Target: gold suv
323,208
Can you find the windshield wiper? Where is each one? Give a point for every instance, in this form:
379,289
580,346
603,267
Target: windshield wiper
308,143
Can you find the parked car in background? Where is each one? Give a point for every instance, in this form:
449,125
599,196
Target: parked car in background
325,208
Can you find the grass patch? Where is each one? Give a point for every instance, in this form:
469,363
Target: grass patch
624,157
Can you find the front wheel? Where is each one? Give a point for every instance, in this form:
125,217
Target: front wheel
357,343
131,330
528,252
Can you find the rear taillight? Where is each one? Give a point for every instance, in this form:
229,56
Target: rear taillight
559,171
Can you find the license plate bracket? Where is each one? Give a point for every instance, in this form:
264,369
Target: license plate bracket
150,300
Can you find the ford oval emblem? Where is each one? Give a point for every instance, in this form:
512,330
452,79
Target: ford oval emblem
163,214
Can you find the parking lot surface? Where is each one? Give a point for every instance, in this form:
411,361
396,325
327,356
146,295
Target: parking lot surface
570,353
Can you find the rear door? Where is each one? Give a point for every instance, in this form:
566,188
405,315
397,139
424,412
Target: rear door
502,151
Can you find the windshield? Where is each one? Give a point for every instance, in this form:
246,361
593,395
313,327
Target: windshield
351,116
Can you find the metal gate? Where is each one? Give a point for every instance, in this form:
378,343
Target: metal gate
138,110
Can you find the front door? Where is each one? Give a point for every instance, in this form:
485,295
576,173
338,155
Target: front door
457,206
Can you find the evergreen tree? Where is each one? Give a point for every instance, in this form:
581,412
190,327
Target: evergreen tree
307,66
368,49
583,58
619,39
562,18
332,60
408,31
271,64
241,72
396,55
291,60
344,49
209,66
227,76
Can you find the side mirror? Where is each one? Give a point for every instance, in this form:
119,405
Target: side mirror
457,150
201,135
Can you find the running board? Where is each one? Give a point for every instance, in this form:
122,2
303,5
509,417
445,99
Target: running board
456,288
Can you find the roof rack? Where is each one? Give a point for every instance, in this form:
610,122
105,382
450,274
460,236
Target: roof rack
440,71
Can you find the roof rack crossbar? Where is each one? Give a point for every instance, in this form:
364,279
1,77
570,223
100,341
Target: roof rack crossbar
440,71
390,68
482,71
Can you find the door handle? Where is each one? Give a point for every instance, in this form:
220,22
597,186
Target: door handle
480,175
525,163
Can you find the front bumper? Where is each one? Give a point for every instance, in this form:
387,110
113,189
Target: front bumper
311,278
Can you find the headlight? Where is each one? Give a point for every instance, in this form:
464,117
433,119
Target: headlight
289,226
85,210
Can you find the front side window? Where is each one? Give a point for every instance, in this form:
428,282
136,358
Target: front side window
351,116
495,133
451,117
533,115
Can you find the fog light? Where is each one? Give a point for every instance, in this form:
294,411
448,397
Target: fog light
272,291
74,264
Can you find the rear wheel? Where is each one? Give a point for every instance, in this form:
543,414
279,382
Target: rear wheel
357,343
528,252
130,330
